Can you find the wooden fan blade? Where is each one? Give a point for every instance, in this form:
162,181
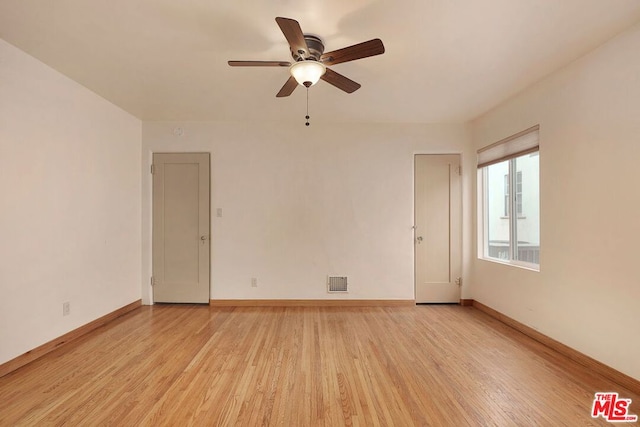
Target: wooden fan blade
357,51
288,88
294,35
259,63
340,81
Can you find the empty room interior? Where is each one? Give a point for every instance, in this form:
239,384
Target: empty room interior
320,213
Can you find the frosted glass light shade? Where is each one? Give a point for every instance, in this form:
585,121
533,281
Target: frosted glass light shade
308,72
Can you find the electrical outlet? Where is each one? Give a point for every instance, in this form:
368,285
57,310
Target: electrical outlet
66,308
254,282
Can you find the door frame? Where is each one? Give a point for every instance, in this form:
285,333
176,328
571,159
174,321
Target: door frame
460,154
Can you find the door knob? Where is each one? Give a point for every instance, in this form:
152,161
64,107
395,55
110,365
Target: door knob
419,239
203,237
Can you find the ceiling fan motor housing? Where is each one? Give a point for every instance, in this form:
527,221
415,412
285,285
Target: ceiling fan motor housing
315,49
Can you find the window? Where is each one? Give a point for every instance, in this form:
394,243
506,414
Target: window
507,203
510,177
506,195
519,193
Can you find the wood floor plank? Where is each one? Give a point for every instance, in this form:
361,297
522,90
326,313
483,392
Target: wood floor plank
303,366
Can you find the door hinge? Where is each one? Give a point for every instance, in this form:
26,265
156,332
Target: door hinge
153,281
153,170
460,170
459,281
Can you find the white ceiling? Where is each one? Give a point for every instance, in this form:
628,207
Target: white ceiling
445,60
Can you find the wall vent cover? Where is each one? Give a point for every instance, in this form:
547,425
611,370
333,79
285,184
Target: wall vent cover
337,284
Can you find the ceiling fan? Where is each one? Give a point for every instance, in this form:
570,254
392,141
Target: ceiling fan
310,61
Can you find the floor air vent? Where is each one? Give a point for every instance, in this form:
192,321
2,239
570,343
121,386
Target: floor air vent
337,284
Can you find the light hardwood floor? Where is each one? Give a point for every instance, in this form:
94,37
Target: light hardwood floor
298,366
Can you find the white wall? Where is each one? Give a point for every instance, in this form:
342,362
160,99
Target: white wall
301,203
70,204
587,291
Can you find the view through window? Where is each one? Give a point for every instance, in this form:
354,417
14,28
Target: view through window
511,183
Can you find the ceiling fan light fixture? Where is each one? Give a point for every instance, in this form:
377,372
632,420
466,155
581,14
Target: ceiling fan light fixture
307,73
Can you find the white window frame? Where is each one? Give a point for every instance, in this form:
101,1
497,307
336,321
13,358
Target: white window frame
508,149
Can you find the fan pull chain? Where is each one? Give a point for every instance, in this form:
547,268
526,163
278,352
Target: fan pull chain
307,116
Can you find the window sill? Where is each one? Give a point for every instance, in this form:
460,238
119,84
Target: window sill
518,264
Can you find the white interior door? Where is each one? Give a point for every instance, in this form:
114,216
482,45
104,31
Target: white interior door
181,246
438,243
